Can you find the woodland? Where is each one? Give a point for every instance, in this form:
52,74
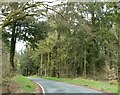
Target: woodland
65,40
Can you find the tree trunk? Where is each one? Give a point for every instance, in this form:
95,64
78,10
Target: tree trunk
12,48
119,48
51,64
75,67
81,68
48,64
41,64
66,68
94,73
85,62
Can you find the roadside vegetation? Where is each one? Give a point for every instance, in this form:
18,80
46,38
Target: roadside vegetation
23,84
20,84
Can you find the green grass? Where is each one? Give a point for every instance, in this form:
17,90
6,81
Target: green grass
98,85
25,85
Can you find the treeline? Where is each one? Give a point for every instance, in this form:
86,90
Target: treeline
80,40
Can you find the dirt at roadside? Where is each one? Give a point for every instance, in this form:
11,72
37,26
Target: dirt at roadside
38,89
0,90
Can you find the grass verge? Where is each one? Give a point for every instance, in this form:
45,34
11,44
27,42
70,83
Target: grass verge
21,84
103,86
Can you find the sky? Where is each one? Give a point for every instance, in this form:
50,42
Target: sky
20,46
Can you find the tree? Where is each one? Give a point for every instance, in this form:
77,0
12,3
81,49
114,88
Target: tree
15,24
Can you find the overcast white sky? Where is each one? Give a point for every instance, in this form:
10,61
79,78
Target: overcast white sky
20,46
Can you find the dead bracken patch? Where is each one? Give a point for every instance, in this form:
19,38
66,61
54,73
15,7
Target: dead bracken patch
13,87
0,90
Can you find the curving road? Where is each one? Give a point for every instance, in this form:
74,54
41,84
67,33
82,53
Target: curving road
51,86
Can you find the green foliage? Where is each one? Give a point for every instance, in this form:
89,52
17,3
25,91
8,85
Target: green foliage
25,85
26,64
81,40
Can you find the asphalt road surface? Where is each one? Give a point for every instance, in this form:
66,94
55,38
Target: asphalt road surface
51,86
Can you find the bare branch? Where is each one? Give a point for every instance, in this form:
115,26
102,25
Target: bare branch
11,15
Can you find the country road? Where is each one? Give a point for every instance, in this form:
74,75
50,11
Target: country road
51,86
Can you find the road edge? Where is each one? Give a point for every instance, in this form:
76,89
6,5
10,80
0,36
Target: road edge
43,91
41,87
